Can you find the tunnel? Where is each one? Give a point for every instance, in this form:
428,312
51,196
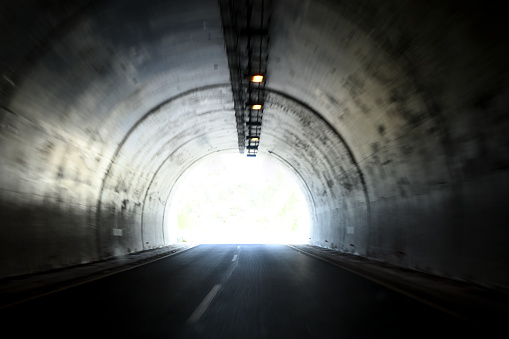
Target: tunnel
393,117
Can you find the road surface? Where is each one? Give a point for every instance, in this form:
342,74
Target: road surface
230,291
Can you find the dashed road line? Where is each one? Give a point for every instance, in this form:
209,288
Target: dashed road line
203,306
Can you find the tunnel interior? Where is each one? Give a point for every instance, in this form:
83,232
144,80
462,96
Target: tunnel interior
393,116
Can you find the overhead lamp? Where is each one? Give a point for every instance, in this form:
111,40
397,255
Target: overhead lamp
256,106
257,78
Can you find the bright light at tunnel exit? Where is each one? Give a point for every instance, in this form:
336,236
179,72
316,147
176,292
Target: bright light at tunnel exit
229,198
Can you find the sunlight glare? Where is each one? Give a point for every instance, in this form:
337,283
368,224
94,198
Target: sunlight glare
229,198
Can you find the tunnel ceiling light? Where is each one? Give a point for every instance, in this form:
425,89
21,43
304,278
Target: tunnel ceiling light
245,28
257,78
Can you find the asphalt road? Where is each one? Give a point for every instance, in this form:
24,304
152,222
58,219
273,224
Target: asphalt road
230,291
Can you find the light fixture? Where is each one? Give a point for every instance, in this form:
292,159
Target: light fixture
246,37
257,78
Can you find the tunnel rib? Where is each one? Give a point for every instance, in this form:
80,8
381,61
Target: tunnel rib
121,144
343,141
176,180
308,190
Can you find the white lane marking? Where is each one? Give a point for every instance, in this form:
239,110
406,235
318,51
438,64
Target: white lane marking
198,312
238,246
234,257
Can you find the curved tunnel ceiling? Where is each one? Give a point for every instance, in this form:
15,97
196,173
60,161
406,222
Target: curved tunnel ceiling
375,106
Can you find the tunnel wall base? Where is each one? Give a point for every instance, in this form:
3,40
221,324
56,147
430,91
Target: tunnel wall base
455,231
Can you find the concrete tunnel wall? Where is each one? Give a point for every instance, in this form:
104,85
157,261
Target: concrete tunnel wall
394,115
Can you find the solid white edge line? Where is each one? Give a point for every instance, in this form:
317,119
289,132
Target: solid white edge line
86,281
198,312
383,283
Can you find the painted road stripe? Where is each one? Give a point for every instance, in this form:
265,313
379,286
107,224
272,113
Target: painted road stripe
234,257
198,312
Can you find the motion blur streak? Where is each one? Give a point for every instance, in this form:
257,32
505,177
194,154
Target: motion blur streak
392,115
271,291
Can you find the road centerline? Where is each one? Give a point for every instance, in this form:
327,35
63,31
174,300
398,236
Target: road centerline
198,312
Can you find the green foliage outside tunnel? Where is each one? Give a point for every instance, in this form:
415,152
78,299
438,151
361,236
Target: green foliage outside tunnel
229,199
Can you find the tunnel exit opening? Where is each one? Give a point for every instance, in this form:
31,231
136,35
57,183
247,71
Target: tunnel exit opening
229,198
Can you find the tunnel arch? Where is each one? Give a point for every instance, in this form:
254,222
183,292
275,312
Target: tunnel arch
309,143
416,91
214,103
176,124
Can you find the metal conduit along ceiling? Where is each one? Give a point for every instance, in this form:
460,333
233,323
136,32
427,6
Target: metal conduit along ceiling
246,31
394,115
